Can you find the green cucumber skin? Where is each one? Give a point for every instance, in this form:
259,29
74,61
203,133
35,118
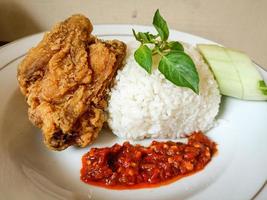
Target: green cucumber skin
234,71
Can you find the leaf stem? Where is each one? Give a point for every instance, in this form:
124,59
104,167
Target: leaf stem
156,50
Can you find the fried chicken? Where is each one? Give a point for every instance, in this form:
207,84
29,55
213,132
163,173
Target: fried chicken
66,78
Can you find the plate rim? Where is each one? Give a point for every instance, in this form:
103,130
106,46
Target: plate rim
99,27
104,26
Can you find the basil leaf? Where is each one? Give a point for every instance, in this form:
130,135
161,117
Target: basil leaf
174,45
145,37
143,56
151,37
135,35
180,69
161,25
175,64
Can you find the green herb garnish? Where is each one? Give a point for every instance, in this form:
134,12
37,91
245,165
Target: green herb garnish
143,55
262,87
174,63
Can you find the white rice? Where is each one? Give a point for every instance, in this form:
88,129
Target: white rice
143,105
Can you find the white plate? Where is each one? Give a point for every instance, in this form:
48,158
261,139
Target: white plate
28,170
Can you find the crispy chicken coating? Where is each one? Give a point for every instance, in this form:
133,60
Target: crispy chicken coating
66,78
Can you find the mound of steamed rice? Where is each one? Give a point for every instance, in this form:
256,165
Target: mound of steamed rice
143,105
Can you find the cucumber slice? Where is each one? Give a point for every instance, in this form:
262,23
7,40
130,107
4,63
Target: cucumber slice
236,74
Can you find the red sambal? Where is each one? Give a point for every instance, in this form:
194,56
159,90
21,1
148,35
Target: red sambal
134,166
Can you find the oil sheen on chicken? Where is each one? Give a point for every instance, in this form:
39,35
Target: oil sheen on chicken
66,78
